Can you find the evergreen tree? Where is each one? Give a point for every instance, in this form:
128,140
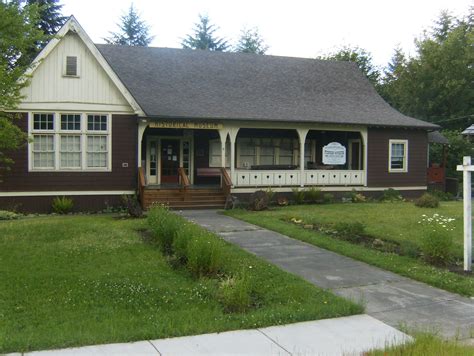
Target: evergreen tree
437,84
18,34
361,57
51,18
133,31
204,37
250,41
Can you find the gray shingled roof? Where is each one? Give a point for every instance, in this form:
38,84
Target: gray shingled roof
437,137
195,84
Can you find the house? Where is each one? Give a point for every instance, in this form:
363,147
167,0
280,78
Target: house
190,127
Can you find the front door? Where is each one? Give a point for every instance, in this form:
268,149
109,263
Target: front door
170,157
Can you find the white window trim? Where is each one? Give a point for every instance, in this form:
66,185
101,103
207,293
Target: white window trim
56,132
78,66
405,153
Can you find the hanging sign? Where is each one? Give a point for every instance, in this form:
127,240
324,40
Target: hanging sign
334,153
186,125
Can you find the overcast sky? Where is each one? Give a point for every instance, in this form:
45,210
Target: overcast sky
301,28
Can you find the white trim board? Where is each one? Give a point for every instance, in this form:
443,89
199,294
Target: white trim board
66,193
329,189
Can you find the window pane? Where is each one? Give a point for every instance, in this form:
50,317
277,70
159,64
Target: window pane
97,122
96,151
43,151
397,156
70,122
43,121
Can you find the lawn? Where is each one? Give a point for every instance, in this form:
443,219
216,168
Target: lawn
392,221
81,280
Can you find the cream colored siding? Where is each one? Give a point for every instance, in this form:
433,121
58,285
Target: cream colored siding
92,85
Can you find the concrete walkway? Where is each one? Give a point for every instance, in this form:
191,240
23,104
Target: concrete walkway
390,298
340,336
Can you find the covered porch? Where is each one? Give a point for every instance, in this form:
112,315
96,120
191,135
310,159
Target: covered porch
238,157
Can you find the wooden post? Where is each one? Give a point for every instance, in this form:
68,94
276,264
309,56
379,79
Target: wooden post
467,168
302,139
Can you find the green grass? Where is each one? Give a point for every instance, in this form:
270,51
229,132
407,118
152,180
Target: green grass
425,344
395,221
80,280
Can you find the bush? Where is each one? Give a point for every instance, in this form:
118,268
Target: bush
282,200
181,242
437,247
8,215
357,197
164,225
133,206
391,195
314,195
204,255
235,294
270,195
298,195
350,230
442,196
258,201
62,205
427,200
328,198
409,248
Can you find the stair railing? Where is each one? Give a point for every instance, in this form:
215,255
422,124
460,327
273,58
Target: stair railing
141,185
183,179
226,182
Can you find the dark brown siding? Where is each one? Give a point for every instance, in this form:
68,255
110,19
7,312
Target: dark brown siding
124,150
90,203
378,154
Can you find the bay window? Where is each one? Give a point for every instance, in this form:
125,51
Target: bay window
70,142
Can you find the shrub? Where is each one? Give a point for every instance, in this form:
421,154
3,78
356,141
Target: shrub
282,200
442,196
298,195
133,206
437,247
235,294
351,229
427,200
62,205
391,195
8,215
314,195
258,201
357,197
409,248
270,195
181,242
164,225
328,198
204,255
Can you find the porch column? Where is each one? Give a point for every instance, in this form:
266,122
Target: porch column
302,136
232,136
223,137
142,125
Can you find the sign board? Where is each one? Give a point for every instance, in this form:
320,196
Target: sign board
186,125
334,154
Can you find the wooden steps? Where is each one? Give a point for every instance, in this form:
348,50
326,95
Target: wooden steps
190,199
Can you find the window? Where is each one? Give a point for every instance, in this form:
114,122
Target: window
267,152
43,151
286,152
70,122
248,152
71,66
70,151
97,122
398,156
43,121
97,151
70,141
215,153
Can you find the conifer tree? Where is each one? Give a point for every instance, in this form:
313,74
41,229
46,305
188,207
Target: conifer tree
133,31
250,41
204,37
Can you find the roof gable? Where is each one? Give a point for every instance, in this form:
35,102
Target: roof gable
97,82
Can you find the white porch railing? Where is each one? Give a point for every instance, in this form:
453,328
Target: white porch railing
277,178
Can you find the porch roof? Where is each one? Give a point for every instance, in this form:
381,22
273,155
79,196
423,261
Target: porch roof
194,84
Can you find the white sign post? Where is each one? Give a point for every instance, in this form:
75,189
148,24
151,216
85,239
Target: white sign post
467,168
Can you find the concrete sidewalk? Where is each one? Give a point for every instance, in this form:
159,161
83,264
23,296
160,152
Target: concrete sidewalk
340,336
393,299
